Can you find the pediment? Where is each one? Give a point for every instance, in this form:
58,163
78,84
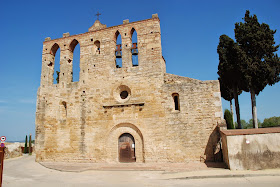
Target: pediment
97,26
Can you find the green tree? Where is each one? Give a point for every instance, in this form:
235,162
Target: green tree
249,125
271,122
244,124
25,145
257,42
30,145
230,70
228,118
227,94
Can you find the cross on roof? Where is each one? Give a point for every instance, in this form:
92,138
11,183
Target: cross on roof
98,14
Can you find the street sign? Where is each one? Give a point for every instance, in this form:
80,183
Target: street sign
2,145
3,138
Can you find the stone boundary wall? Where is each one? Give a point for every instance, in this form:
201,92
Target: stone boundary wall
252,149
13,150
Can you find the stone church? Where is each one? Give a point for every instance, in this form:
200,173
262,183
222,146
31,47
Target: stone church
125,107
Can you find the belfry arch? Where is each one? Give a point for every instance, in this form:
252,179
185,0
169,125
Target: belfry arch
54,48
54,63
134,47
118,50
74,59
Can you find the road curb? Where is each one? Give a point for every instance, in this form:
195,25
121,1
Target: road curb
225,176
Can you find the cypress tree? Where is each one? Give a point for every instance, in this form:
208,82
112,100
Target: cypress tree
257,42
25,145
227,94
228,118
30,146
230,70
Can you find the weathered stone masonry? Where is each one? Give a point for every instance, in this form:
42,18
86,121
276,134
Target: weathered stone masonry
167,118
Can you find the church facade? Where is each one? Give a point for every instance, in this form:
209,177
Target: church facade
125,107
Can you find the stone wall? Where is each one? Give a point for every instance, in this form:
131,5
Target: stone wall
192,129
251,148
13,150
82,121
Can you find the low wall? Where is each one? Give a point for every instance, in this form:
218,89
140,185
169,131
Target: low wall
13,150
251,148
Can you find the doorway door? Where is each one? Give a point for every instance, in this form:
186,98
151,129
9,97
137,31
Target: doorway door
126,148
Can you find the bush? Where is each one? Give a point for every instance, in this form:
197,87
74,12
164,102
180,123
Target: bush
271,122
249,125
229,120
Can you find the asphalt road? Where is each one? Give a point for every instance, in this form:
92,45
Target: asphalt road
24,171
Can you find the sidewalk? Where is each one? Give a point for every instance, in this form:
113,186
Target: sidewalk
191,170
221,173
25,172
167,167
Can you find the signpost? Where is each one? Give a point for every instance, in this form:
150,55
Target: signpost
3,138
2,151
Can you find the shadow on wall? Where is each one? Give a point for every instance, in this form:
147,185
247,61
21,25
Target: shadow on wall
213,150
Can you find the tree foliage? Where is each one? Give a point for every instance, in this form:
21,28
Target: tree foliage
249,64
249,124
231,63
230,71
271,122
257,43
229,120
226,91
30,145
267,122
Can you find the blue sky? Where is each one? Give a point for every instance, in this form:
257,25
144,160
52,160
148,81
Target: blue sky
190,35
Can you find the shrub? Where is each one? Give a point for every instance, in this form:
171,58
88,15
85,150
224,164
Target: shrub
271,122
229,120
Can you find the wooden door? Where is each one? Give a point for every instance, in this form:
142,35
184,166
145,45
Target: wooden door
126,148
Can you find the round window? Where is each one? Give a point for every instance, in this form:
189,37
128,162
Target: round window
124,94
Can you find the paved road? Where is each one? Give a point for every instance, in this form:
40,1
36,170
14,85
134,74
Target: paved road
24,171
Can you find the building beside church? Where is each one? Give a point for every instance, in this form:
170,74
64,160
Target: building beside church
125,107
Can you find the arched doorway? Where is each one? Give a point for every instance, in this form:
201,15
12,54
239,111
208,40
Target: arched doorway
127,148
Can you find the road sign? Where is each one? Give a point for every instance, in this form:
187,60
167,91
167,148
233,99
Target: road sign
2,145
3,138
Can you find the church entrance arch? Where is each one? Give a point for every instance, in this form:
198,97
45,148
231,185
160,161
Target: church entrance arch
126,148
120,139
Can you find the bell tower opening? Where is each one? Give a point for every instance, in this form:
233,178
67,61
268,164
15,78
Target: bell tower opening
55,61
134,47
75,50
126,148
118,51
